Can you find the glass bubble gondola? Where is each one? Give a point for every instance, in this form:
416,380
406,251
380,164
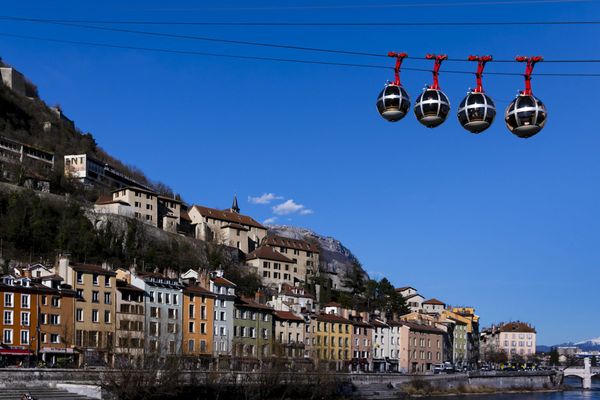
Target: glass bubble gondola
526,115
393,102
477,110
432,106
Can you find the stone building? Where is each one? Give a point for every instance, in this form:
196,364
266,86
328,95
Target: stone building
273,267
227,227
304,254
143,202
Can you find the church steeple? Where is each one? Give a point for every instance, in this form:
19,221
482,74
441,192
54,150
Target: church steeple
234,206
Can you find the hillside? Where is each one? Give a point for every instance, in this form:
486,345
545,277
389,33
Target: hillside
335,257
31,121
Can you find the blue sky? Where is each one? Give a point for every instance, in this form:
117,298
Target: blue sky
507,225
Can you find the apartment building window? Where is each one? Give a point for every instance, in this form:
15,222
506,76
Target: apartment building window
107,317
8,317
44,300
171,328
107,297
172,313
24,301
176,299
79,277
191,311
160,298
167,298
154,328
223,316
155,312
80,293
95,280
43,338
24,337
54,319
191,346
107,281
55,301
152,296
95,316
79,314
95,296
172,347
8,299
203,312
191,327
43,319
25,318
203,328
7,336
149,217
148,206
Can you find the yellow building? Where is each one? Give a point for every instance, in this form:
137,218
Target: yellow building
330,341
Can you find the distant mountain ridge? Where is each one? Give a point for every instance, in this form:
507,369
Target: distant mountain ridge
335,257
585,345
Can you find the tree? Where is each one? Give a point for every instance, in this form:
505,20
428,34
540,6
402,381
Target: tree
554,357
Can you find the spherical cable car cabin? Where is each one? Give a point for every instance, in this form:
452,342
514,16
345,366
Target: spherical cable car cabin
477,110
432,106
394,102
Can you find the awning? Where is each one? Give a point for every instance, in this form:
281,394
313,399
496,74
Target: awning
15,352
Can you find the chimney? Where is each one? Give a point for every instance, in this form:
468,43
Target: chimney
106,267
63,269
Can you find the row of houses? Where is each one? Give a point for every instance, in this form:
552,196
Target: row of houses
94,315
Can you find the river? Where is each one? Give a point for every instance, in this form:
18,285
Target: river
576,394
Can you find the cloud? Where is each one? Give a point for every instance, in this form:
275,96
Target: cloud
291,207
265,198
269,221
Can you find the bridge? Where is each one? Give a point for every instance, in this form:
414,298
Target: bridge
586,373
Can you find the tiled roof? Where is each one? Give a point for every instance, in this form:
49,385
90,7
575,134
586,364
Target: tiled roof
403,288
267,253
228,216
185,216
333,304
516,326
92,269
126,287
287,316
377,323
298,244
434,302
250,303
413,295
423,328
197,290
223,282
331,318
235,226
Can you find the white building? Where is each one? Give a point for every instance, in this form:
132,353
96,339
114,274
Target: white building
91,171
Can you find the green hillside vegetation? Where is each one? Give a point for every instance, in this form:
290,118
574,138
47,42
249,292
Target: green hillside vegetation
22,119
35,229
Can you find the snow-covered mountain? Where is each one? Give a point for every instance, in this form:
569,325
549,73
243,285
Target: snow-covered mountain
591,344
335,257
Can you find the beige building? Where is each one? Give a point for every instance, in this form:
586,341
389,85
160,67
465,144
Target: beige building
292,298
304,253
433,306
289,332
274,268
169,213
95,317
513,338
227,227
425,347
144,203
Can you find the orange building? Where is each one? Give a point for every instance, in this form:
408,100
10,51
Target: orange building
198,310
18,320
56,309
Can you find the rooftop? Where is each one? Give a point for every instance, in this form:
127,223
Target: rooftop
228,216
298,244
267,253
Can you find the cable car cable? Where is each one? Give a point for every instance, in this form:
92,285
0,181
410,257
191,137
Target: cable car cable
261,44
278,59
